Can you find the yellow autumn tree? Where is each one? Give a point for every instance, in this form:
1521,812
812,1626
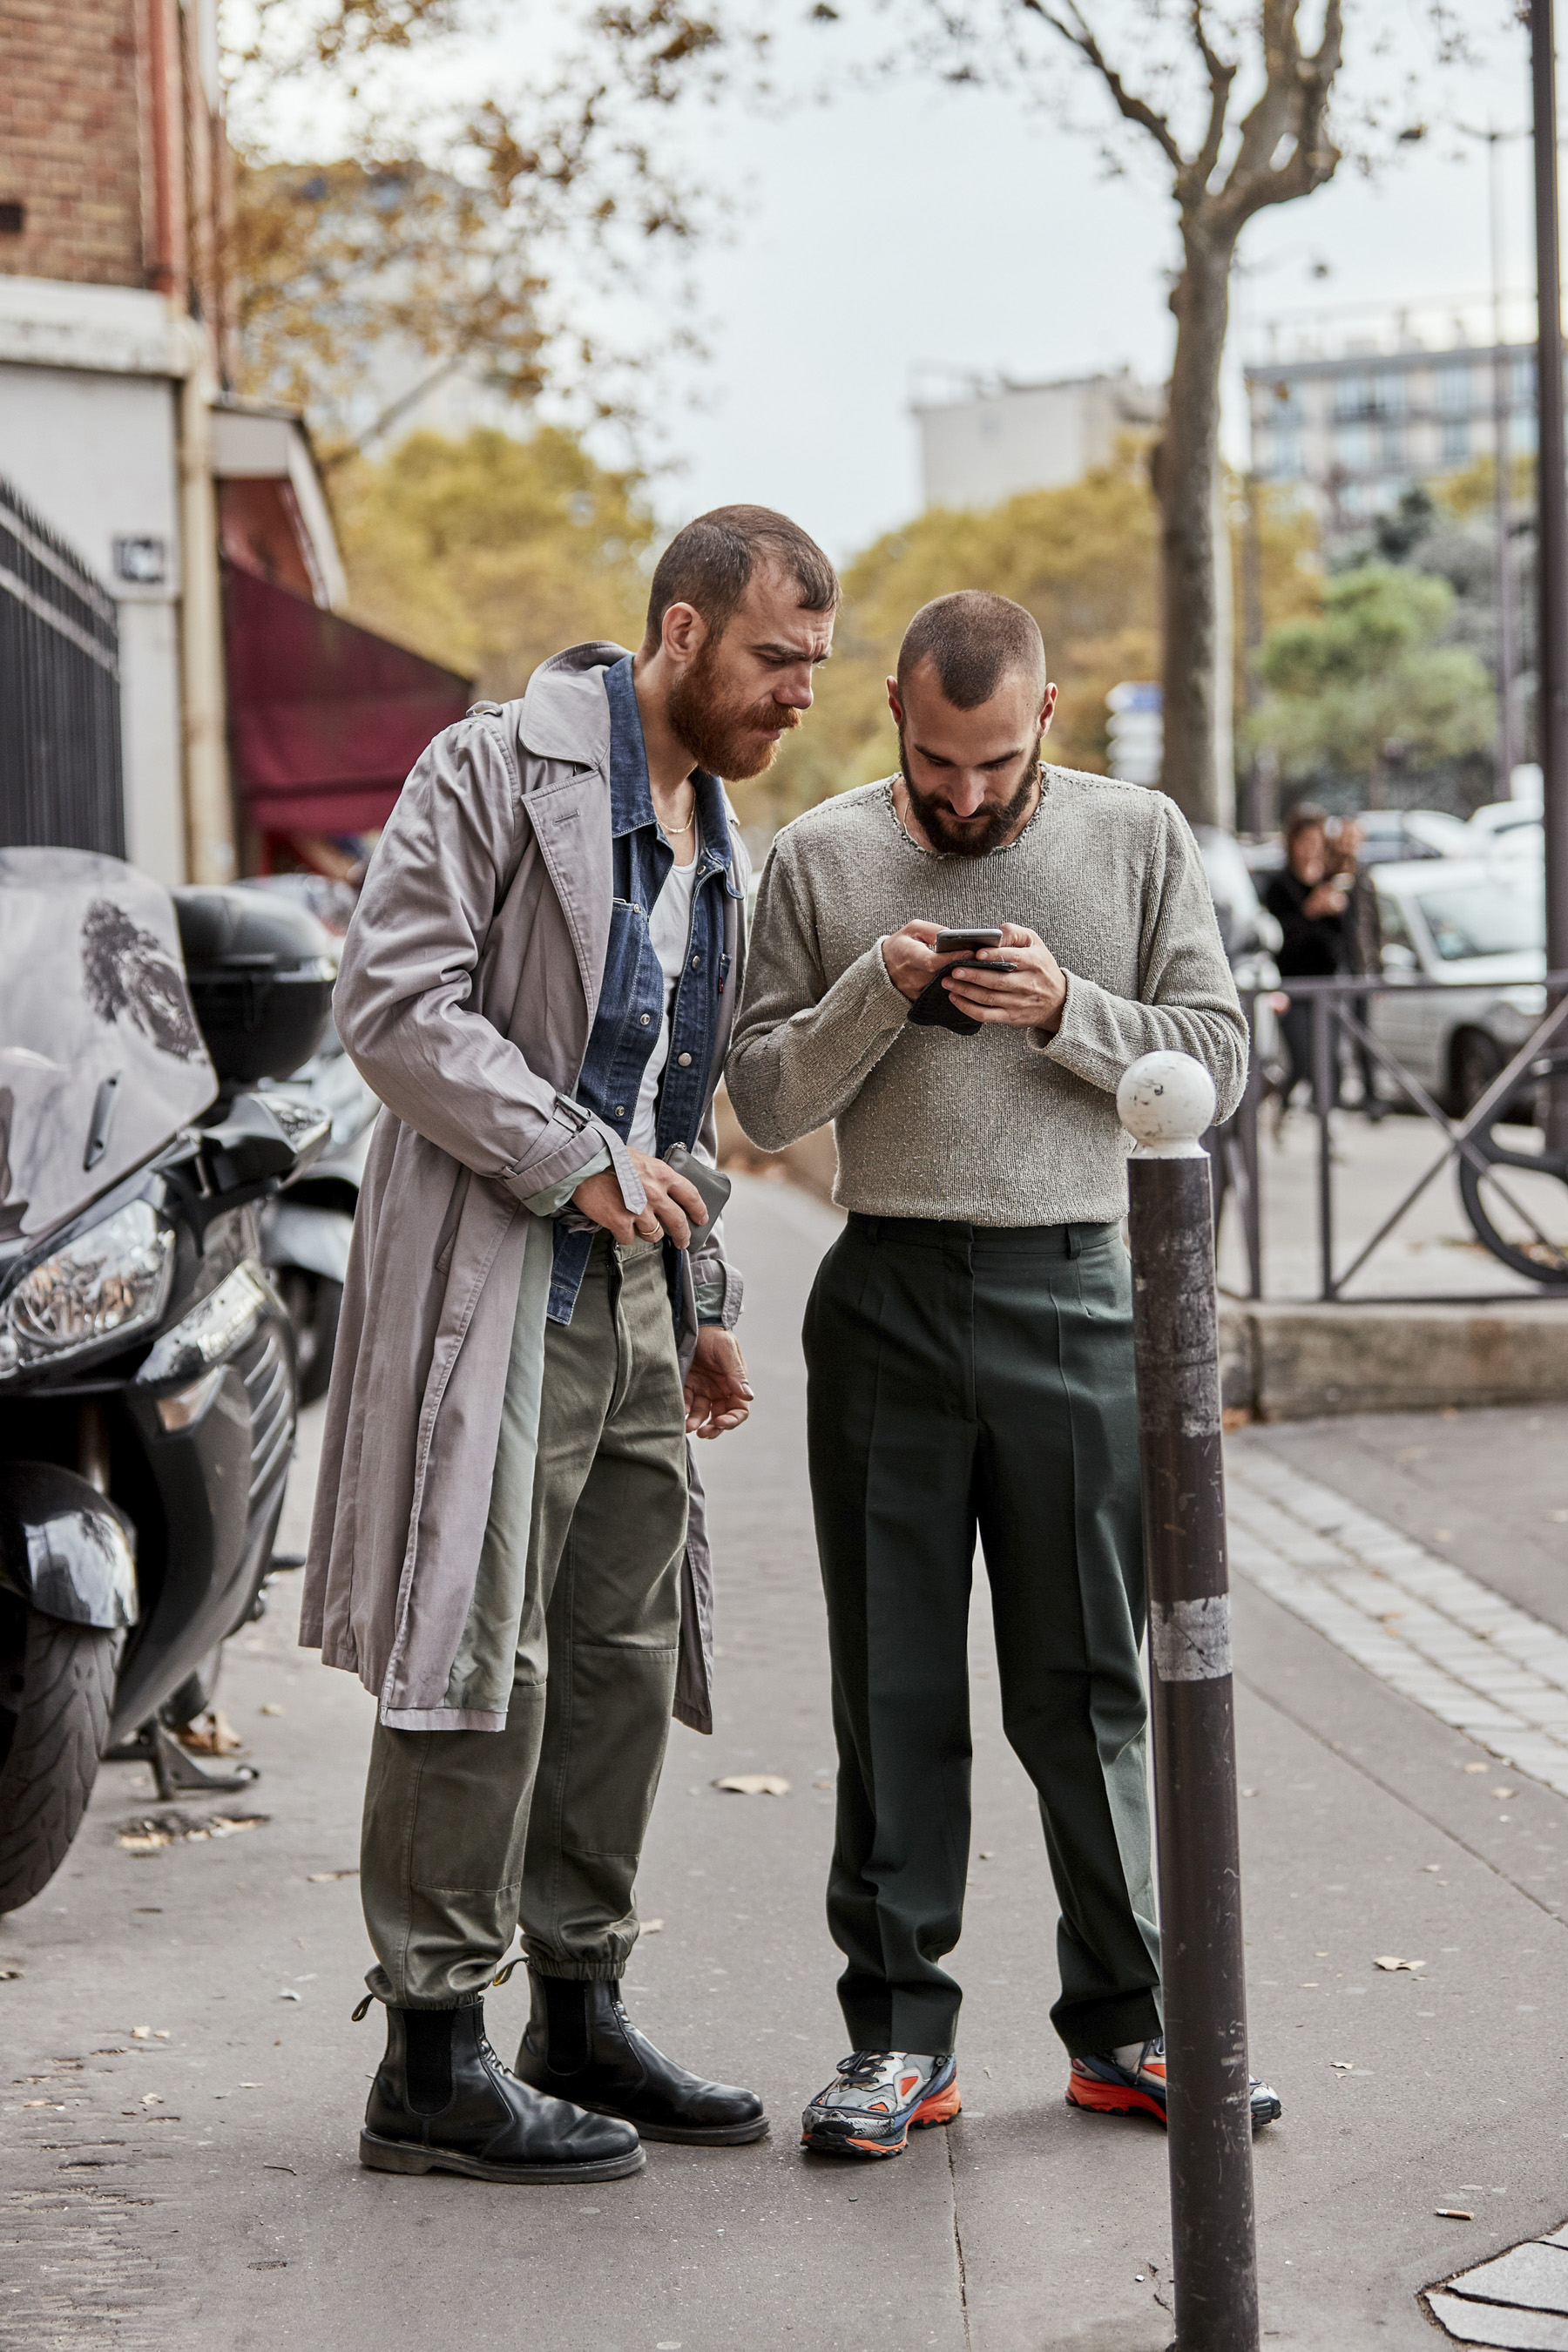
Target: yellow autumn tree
492,552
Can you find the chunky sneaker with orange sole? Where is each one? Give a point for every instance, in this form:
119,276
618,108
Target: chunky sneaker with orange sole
1109,2089
877,2098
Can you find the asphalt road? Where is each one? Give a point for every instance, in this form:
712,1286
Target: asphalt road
196,2186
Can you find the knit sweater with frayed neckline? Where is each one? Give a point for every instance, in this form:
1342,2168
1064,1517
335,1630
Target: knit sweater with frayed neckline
1010,1127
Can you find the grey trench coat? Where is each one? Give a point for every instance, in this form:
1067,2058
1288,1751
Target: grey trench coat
468,992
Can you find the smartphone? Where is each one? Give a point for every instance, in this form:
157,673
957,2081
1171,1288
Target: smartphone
964,942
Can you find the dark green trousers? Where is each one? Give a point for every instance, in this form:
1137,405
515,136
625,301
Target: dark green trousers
468,1834
965,1380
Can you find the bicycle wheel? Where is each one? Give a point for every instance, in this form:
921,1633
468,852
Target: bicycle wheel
1517,1202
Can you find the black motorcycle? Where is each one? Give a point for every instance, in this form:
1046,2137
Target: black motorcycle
147,1372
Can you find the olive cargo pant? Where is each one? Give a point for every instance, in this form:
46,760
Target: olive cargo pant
963,1377
468,1834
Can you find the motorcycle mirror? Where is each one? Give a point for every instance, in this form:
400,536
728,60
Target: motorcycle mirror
255,1144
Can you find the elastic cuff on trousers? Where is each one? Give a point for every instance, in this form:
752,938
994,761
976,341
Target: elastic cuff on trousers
382,1986
547,1964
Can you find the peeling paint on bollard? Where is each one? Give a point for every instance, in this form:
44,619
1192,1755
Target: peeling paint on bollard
1190,1640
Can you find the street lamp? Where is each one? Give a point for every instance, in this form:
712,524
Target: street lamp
1507,661
1551,462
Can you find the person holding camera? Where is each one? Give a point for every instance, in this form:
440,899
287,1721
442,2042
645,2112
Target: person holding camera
955,966
509,1545
1308,897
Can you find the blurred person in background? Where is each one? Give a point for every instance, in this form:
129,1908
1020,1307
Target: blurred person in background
1363,945
1308,898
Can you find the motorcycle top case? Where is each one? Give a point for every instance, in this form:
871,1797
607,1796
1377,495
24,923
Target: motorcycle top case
260,970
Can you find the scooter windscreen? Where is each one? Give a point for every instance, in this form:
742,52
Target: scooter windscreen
100,1057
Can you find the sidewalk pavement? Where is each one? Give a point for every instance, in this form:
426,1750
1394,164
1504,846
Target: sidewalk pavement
202,2189
1432,1250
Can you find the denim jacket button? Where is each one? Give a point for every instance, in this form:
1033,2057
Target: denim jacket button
684,1060
645,1018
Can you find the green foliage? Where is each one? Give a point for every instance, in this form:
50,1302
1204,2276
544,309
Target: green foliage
492,552
1371,671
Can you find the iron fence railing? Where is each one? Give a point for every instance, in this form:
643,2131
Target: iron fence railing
1339,1008
60,783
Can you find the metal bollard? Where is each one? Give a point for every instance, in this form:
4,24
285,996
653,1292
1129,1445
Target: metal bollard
1167,1101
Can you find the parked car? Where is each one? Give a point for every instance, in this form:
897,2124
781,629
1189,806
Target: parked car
1507,830
1391,836
147,1386
1480,930
1388,837
1246,927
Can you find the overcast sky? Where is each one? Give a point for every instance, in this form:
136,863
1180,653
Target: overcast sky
887,231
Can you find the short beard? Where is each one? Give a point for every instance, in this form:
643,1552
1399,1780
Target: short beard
973,840
722,735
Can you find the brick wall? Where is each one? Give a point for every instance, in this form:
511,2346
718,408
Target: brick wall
69,143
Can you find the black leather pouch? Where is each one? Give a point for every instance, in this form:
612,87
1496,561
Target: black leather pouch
934,1008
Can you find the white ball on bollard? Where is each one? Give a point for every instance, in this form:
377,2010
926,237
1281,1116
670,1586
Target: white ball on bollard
1165,1102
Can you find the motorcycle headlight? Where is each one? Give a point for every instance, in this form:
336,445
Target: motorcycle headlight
109,1282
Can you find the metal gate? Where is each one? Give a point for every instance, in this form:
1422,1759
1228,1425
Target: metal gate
59,694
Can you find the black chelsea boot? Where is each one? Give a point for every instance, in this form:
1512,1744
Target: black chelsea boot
443,2102
580,2045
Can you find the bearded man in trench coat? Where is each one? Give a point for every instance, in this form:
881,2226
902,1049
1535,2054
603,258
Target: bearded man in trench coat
509,1546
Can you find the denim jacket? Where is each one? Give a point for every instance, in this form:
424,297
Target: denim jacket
631,997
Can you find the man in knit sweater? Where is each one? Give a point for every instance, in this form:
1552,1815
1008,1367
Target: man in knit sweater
968,1339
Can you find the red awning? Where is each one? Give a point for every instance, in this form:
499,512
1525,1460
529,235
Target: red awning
325,718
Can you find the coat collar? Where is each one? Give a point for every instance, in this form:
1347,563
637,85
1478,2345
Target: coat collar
564,715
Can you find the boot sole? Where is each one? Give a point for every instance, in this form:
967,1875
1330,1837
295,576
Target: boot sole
401,2155
697,2136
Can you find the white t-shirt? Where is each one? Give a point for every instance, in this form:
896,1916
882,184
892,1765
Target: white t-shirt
669,932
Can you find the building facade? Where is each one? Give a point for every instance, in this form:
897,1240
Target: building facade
998,438
1355,430
121,431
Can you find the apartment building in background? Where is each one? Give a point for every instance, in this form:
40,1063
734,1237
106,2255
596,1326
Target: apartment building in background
1397,403
251,711
983,440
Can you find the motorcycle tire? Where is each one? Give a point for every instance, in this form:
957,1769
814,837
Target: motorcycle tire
56,1691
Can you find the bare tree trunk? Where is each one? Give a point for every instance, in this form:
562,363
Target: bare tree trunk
1189,489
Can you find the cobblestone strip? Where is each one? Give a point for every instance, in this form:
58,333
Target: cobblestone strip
1418,1623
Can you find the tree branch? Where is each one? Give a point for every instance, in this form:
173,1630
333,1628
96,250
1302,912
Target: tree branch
1132,108
1294,104
1221,76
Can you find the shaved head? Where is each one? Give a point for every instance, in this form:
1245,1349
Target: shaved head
974,640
